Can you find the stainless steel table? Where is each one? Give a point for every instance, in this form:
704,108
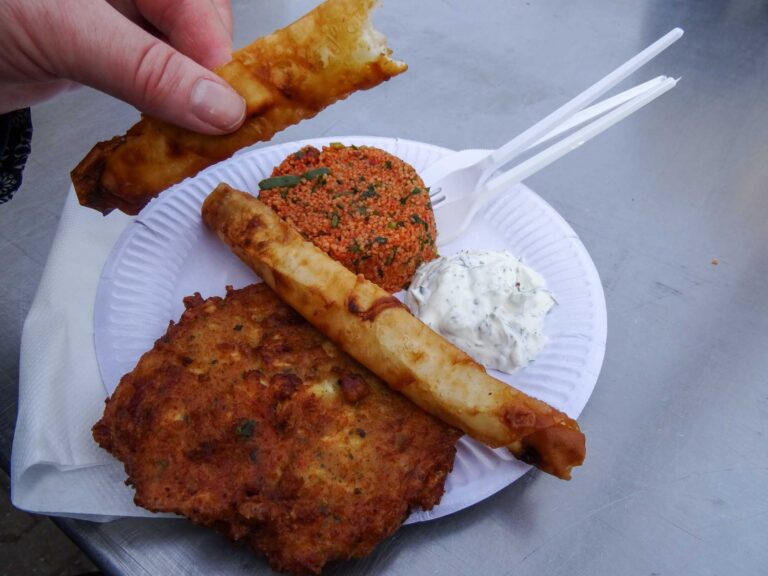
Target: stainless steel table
673,206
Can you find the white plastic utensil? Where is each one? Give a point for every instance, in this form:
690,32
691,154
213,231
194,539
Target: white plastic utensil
454,214
448,163
469,172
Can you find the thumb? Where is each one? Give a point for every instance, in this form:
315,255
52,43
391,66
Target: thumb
131,64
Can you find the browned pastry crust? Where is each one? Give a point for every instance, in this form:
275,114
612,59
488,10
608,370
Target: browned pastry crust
246,419
285,77
372,326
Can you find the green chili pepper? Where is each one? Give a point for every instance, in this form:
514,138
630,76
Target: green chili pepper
312,174
288,181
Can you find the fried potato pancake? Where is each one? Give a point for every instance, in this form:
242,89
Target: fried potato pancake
376,329
285,77
246,419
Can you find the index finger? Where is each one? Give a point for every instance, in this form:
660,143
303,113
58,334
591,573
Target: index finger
194,27
224,8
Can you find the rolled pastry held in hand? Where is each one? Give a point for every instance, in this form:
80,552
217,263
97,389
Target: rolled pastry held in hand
373,326
285,77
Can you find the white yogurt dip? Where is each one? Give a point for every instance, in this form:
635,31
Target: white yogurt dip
488,304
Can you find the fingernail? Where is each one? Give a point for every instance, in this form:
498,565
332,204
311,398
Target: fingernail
217,105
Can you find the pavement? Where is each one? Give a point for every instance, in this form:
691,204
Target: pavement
32,545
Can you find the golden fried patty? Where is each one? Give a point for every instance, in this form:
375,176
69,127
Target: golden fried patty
244,418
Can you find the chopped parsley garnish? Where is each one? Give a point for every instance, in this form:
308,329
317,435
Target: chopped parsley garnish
413,192
245,428
416,219
320,182
391,257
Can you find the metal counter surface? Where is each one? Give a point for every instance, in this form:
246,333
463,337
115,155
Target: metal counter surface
672,205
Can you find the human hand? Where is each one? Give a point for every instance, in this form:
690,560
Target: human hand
154,54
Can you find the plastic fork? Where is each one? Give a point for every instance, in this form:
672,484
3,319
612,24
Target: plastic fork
464,181
448,163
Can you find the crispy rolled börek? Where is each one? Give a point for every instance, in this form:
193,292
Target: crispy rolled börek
376,329
285,77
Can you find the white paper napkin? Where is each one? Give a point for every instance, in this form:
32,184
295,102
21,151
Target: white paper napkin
56,466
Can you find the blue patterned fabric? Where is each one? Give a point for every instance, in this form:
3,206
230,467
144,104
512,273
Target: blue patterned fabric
15,138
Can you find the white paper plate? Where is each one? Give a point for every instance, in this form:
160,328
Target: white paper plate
167,254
